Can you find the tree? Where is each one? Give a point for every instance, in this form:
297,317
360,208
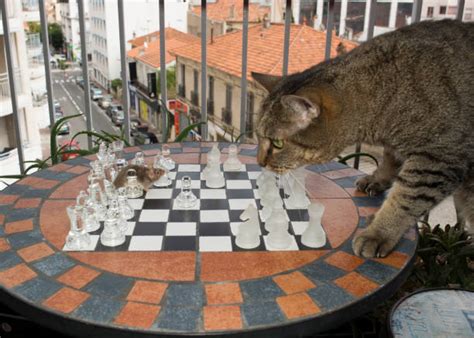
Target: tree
116,84
34,27
56,36
170,82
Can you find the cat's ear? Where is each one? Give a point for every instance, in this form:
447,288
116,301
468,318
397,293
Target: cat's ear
266,81
304,110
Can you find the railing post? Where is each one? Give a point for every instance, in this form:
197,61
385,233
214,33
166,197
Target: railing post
124,73
11,81
460,12
329,26
204,68
416,11
286,42
243,82
85,70
47,65
163,83
372,11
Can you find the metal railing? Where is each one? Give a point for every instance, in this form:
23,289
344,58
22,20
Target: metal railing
5,92
7,8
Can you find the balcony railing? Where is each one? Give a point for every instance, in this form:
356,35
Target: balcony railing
5,87
210,107
194,98
29,5
227,116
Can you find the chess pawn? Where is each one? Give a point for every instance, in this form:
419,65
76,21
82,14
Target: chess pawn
279,238
314,235
275,217
134,189
298,199
273,202
186,199
112,234
89,215
164,179
232,163
125,207
212,156
168,162
77,238
214,177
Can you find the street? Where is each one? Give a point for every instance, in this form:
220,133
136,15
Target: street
71,97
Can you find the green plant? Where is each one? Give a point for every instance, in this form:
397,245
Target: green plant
170,82
116,84
444,256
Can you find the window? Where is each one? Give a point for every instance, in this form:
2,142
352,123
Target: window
211,88
196,80
250,111
429,14
182,85
442,10
228,97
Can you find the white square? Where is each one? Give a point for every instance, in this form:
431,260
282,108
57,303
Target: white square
145,243
154,215
241,203
195,184
136,203
263,218
213,216
239,184
254,174
299,227
189,168
215,243
197,206
159,194
172,175
211,194
289,206
256,194
234,228
181,229
292,247
90,247
130,228
242,168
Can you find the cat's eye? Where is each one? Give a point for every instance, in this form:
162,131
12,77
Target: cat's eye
277,143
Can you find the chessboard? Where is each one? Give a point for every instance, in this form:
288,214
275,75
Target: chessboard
211,226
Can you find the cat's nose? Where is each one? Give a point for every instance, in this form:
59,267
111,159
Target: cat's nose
262,153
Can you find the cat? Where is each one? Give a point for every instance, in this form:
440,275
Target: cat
145,176
411,91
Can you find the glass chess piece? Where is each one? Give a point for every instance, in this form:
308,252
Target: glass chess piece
125,207
168,162
214,155
248,235
275,216
114,209
279,238
77,238
89,213
314,235
134,189
214,177
117,148
139,159
164,179
233,163
96,201
272,202
102,153
112,235
186,198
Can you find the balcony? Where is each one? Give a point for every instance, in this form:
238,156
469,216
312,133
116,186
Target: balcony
30,10
210,107
227,116
34,45
194,98
5,97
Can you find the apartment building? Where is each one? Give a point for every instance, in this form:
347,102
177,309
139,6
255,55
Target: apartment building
69,21
141,18
446,9
224,66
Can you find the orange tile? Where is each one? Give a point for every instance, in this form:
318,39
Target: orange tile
35,252
16,275
19,226
147,292
78,276
356,284
297,305
344,261
293,282
336,174
219,318
355,193
151,152
131,149
27,203
79,169
227,293
137,315
60,167
37,182
4,246
71,188
191,150
395,259
66,300
2,218
367,211
186,158
8,199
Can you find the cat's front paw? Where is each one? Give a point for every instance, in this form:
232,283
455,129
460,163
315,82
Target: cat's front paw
371,244
370,185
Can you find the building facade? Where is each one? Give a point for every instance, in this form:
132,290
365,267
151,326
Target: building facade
69,21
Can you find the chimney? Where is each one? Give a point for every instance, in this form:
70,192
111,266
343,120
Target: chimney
265,22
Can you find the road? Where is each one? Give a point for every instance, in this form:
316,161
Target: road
71,98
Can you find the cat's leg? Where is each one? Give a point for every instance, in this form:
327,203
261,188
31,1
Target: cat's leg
464,203
382,177
421,184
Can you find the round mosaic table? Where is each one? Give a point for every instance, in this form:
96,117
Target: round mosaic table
175,293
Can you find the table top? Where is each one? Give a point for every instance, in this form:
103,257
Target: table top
187,292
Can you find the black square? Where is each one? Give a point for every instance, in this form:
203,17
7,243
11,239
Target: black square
157,204
195,176
179,243
253,167
122,247
235,247
300,215
177,191
236,175
184,216
214,229
149,229
136,215
237,193
234,215
214,204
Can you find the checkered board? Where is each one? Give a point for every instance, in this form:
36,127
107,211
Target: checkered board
211,226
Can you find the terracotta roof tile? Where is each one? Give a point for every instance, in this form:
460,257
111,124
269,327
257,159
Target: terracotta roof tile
232,11
265,50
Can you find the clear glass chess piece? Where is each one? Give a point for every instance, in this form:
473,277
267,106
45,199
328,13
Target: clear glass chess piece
186,198
110,159
102,153
314,235
214,177
77,238
112,235
139,159
114,209
125,207
117,148
233,163
168,162
134,188
214,155
164,179
89,213
96,201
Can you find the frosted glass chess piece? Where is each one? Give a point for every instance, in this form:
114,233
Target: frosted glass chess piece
314,235
77,238
298,199
168,162
125,207
248,235
112,234
267,190
276,215
91,221
272,202
286,183
232,163
164,179
134,189
214,155
186,198
214,177
279,238
139,159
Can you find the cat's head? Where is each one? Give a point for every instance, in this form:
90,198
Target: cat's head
286,121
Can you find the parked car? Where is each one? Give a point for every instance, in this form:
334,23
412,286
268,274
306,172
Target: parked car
96,94
113,107
144,137
57,108
68,145
66,127
118,116
105,101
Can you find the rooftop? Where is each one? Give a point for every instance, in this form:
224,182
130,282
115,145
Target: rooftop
232,11
265,50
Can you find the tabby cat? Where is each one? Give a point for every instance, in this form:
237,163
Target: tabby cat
411,91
